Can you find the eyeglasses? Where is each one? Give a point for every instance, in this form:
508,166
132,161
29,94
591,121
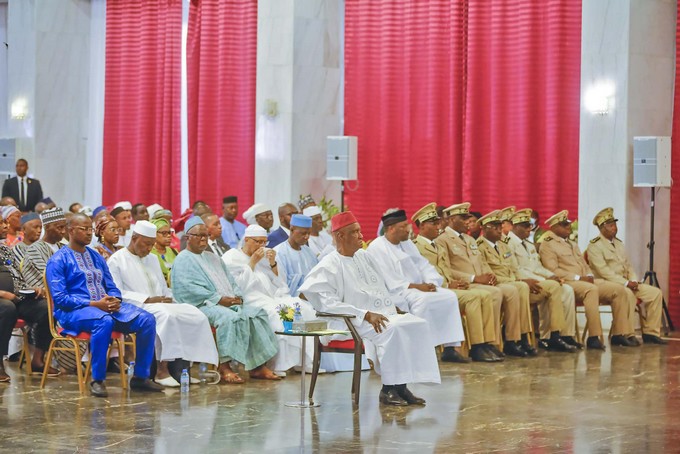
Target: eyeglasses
168,233
201,236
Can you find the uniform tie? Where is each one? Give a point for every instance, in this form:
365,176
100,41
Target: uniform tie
22,200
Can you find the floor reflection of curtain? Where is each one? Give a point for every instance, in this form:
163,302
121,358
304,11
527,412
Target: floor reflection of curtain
141,161
221,72
463,100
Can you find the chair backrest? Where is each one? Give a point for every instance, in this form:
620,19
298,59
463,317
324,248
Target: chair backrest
50,307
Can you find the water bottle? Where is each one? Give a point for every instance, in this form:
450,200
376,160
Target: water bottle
298,321
130,372
184,382
203,373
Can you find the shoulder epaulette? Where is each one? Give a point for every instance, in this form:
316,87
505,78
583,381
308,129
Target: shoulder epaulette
506,240
595,240
547,238
480,240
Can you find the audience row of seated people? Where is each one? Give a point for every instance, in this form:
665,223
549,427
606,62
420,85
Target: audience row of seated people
122,271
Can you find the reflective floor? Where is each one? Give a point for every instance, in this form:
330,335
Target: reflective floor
627,401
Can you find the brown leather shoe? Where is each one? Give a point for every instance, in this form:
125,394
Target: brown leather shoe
410,399
141,384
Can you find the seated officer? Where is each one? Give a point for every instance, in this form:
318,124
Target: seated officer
609,261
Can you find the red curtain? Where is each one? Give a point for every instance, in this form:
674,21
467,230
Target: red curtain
674,272
142,102
221,66
463,101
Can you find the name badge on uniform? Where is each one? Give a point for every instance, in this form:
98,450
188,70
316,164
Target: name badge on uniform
507,255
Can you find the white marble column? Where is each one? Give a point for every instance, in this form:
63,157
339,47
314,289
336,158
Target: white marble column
299,72
49,68
628,46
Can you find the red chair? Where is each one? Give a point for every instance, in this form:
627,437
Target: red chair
25,350
72,346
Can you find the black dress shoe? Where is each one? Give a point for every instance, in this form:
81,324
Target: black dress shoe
493,349
594,343
633,341
652,339
569,340
98,389
543,344
479,354
145,384
621,341
410,399
558,345
529,349
392,397
512,348
452,356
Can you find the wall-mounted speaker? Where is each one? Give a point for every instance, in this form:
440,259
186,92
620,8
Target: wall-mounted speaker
341,158
651,161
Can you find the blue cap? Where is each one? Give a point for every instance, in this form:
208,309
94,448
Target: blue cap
300,220
98,210
193,222
29,217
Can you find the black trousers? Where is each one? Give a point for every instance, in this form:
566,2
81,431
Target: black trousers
33,312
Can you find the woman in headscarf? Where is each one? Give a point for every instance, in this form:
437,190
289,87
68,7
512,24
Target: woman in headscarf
107,232
162,249
12,217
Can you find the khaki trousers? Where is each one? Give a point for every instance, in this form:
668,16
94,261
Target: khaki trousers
568,304
506,300
525,301
592,295
477,305
652,298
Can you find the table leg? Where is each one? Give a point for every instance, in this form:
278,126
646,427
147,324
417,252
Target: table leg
302,403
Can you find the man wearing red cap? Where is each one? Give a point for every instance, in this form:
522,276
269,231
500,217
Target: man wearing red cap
347,281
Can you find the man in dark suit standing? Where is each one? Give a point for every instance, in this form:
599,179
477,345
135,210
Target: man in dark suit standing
26,191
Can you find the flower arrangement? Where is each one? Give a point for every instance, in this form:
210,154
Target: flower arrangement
287,312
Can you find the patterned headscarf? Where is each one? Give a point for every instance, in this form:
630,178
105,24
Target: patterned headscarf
160,222
102,223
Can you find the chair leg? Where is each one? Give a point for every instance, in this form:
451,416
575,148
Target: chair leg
356,375
316,363
25,353
121,363
48,358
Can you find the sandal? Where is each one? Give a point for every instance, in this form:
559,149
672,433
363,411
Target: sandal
51,372
231,378
265,376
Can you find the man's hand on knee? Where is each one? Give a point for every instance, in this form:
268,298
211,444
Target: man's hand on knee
378,321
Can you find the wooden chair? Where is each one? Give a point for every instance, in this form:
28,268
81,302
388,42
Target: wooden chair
25,349
354,346
72,343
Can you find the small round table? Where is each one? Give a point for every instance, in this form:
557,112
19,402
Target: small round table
302,403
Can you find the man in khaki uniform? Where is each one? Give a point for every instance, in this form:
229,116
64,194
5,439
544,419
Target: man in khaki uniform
467,265
528,266
546,294
506,220
608,260
563,257
476,304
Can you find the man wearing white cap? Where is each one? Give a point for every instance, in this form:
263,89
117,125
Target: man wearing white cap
182,331
296,259
256,268
242,332
319,239
261,215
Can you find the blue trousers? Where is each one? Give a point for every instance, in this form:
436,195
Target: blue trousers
144,326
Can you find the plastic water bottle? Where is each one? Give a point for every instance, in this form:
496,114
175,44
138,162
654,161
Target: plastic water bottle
130,372
298,321
184,382
203,373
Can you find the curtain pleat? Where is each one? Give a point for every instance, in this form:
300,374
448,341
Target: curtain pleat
463,101
141,156
221,78
674,272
